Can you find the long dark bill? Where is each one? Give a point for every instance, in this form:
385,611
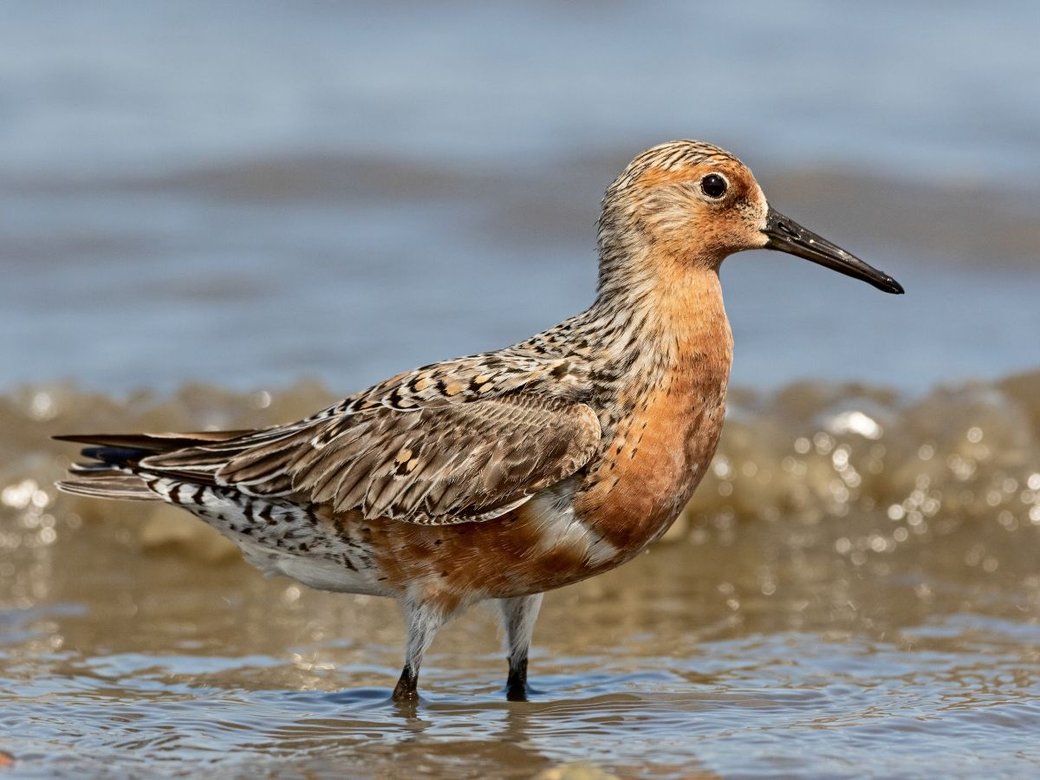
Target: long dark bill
786,235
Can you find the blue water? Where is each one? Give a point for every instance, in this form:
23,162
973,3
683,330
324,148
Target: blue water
180,198
945,91
247,193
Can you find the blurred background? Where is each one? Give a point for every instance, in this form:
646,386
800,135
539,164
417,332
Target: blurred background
245,193
228,214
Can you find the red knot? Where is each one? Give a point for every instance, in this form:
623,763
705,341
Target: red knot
505,474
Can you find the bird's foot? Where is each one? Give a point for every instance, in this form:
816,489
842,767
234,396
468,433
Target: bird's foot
517,688
517,692
407,689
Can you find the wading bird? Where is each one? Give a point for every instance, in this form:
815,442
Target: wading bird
505,474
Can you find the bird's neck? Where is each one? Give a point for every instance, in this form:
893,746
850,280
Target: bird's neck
661,402
663,323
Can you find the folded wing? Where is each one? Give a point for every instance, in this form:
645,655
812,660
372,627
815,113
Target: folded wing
435,464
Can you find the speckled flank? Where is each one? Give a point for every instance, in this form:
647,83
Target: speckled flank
509,473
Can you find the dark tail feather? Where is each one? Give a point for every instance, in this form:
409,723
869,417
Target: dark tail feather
124,450
115,456
153,442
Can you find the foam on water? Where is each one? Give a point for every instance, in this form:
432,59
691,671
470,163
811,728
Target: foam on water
812,450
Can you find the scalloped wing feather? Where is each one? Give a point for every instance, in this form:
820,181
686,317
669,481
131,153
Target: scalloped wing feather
450,463
437,464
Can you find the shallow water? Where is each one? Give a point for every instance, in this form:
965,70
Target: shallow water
753,655
853,591
243,194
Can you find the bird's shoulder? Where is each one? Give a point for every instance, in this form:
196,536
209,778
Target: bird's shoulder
519,369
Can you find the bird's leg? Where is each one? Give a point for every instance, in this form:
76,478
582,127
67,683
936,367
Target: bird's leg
519,615
423,621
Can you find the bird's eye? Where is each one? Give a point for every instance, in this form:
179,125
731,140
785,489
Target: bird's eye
714,186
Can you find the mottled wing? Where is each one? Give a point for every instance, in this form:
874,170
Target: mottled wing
436,464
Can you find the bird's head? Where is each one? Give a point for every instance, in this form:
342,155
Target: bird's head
693,204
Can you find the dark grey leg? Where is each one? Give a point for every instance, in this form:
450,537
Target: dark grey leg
519,616
407,688
423,623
